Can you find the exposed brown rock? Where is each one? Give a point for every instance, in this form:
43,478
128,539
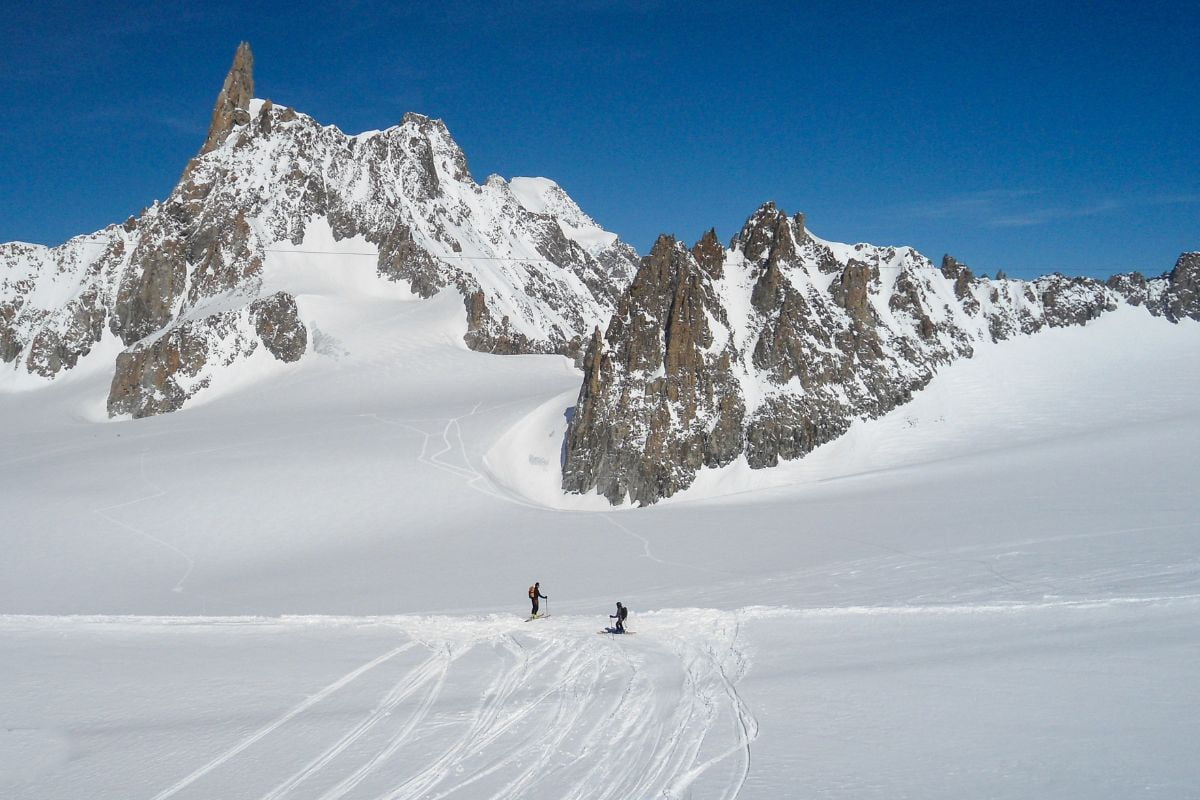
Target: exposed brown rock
1072,301
766,234
1183,294
10,340
1133,286
181,284
146,298
709,253
233,103
962,276
277,323
401,258
816,353
52,351
1174,295
148,378
659,345
850,291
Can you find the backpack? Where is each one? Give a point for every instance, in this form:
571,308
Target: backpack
624,612
532,592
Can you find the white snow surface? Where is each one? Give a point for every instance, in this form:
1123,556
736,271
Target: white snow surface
312,585
544,196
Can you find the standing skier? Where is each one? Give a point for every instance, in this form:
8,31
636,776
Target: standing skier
622,613
535,592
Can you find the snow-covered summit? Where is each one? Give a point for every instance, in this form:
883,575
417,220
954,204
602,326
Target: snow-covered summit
200,280
544,196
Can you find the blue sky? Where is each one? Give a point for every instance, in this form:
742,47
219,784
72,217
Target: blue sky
1030,137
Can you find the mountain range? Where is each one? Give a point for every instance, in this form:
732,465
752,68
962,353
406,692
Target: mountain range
760,349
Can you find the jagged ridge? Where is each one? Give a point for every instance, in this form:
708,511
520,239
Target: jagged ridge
773,346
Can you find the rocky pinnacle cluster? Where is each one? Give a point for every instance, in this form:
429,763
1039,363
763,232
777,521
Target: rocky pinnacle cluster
774,345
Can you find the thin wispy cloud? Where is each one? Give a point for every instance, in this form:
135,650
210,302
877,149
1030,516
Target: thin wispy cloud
1016,208
969,205
1042,216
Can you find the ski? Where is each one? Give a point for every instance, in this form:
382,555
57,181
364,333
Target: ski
539,616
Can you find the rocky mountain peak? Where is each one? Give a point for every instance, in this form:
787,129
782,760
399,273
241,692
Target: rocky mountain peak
1187,270
233,103
958,272
951,266
203,279
1183,296
775,346
709,253
663,341
766,233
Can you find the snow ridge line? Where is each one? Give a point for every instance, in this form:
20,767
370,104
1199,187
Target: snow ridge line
765,612
489,623
296,710
481,483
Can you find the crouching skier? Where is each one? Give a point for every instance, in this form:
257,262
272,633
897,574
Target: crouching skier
622,613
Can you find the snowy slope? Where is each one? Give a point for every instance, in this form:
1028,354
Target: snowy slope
991,591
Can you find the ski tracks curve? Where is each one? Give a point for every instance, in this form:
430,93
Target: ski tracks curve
560,713
295,711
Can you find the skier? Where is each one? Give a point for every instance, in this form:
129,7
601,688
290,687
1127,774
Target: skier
535,592
622,613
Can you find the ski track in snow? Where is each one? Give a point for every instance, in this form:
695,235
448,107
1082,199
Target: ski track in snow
450,429
481,483
647,553
278,723
561,714
433,669
157,492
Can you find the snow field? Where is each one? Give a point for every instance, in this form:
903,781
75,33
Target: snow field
417,707
999,701
990,592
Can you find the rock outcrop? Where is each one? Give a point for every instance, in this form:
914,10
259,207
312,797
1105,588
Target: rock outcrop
665,363
1174,295
233,103
183,285
1181,296
775,345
